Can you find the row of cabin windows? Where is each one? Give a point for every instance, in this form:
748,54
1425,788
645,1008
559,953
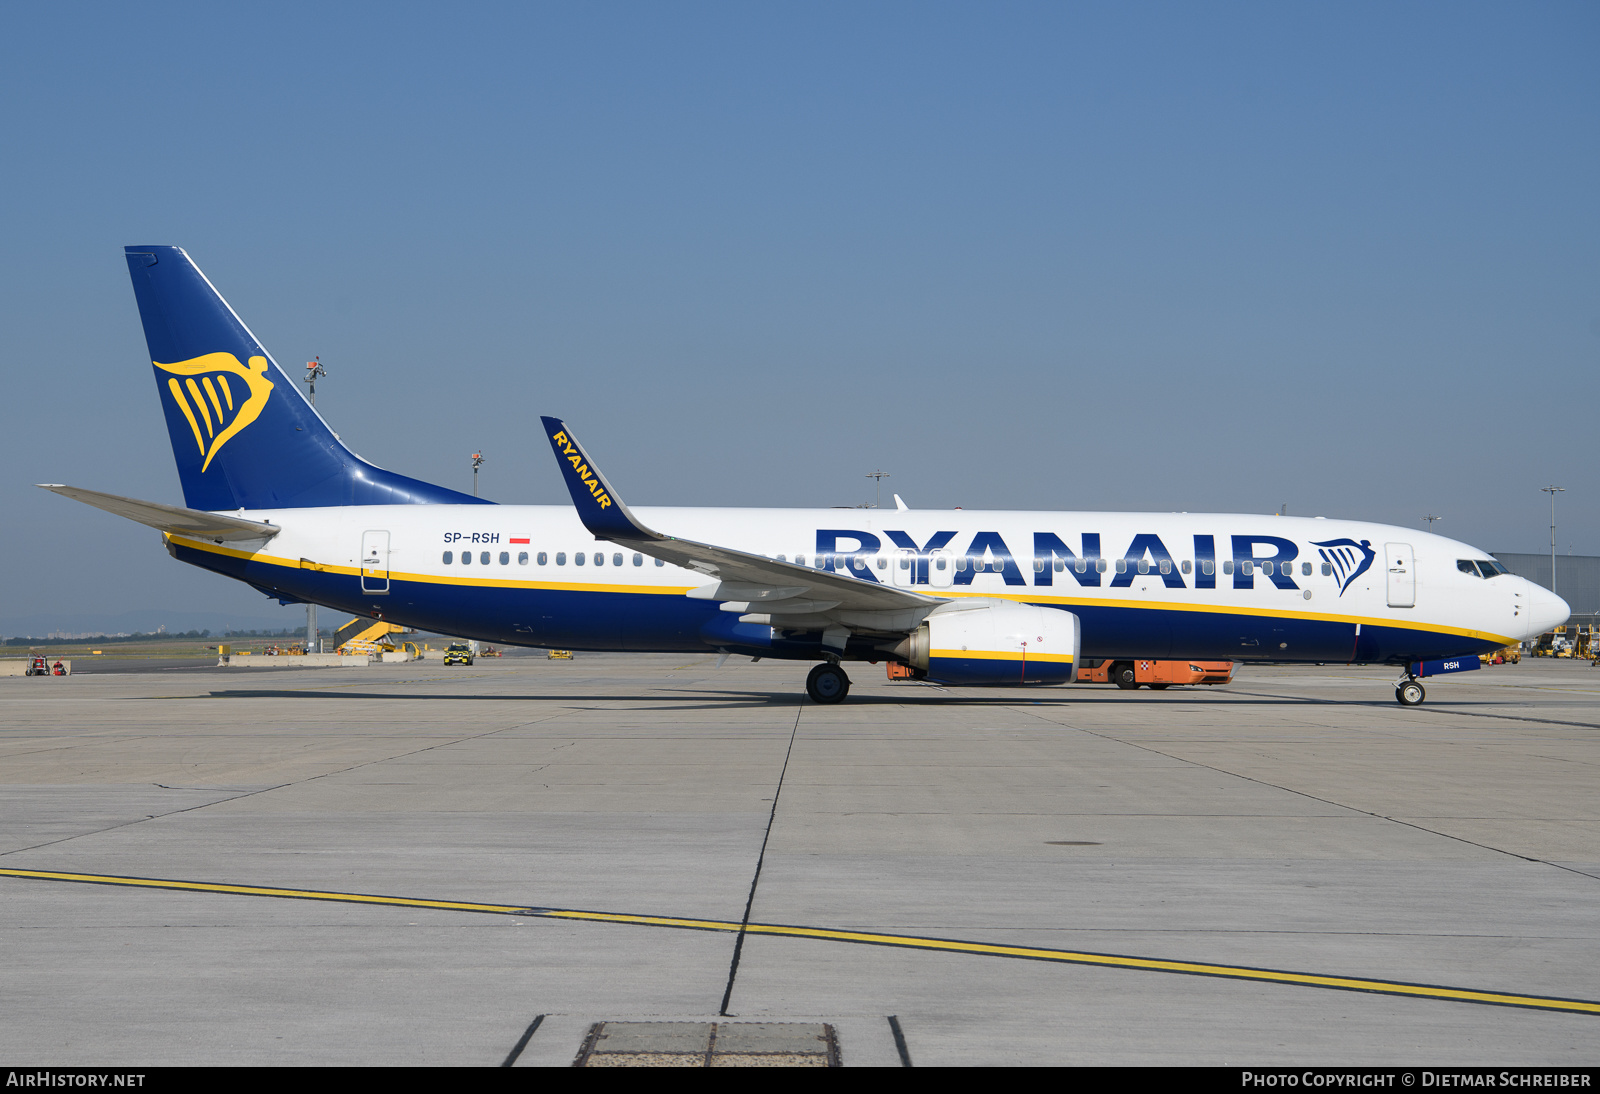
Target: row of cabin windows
578,558
1080,565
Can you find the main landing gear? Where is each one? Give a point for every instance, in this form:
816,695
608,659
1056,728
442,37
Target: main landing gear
827,684
1409,692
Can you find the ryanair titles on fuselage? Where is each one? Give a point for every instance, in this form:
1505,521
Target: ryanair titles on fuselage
1272,556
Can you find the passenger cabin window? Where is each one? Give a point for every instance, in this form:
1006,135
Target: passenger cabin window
1060,565
1166,567
1208,567
1188,567
483,557
1227,566
1099,565
660,563
1144,565
522,558
449,557
599,558
638,559
961,564
1038,565
1081,565
579,558
1327,569
938,564
1305,569
883,563
544,558
466,558
616,559
1247,567
1122,565
505,558
1266,568
561,558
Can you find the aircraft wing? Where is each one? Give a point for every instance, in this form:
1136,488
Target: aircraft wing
169,518
795,593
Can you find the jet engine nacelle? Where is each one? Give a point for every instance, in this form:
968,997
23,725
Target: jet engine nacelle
996,642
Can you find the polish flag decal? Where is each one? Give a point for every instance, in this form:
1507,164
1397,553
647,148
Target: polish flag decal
519,539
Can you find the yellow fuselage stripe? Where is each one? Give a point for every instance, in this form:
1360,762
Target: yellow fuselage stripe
946,945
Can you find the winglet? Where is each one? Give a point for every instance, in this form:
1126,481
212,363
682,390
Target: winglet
601,511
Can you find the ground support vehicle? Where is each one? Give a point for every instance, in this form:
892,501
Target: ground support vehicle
1156,675
458,653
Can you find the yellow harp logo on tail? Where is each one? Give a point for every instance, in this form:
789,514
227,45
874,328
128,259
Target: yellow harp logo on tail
209,400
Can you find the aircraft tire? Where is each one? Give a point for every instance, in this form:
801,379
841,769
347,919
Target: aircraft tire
827,684
1122,675
1409,693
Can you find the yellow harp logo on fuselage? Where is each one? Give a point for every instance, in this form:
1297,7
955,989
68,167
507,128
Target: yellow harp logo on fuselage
212,401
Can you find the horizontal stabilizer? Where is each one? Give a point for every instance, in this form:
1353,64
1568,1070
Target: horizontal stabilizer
169,518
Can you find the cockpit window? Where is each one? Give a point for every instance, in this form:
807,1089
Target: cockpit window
1490,568
1467,566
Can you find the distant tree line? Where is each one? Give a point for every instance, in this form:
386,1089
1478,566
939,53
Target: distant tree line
114,639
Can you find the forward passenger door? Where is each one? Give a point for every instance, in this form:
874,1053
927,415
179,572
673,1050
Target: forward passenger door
1402,569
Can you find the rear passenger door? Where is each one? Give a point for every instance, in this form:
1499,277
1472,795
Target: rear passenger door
375,562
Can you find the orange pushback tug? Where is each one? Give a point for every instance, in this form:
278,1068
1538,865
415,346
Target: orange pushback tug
1157,675
1154,674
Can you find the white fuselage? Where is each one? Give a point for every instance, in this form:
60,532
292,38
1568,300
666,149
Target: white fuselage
1145,584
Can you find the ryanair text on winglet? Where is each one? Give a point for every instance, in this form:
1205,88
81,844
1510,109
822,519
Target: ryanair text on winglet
582,470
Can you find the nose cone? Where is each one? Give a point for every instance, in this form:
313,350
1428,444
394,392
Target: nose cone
1546,611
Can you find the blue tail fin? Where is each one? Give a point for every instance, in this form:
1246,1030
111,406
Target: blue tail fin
243,435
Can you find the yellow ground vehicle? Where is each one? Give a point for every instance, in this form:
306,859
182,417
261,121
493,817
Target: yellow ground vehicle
558,655
365,636
1510,655
458,653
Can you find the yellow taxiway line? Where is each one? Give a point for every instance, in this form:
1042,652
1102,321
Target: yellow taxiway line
870,938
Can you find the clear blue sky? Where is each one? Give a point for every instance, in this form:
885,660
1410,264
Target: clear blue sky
1053,256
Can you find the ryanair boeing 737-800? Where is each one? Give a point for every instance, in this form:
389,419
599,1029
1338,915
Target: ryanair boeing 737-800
966,597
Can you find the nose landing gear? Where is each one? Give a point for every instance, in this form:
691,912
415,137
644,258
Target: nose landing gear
1409,692
827,684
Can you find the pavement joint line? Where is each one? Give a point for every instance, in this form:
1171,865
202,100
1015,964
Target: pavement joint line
1109,736
1438,706
893,941
761,857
